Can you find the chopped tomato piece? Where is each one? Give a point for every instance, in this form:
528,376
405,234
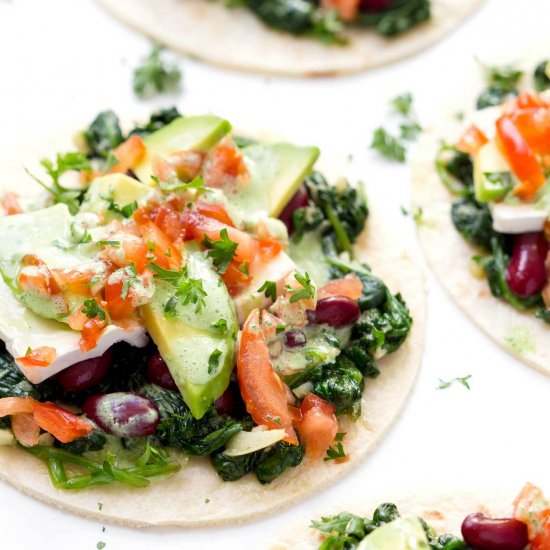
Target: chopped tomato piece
16,405
472,140
224,166
269,324
25,429
235,279
350,287
165,253
10,203
74,280
531,508
216,211
119,307
318,427
39,357
184,165
200,227
171,224
269,246
520,157
263,392
129,154
347,9
36,277
534,125
91,332
528,99
77,319
62,424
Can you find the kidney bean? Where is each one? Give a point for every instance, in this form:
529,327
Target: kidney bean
299,200
375,5
85,374
226,403
526,272
124,414
336,311
485,533
158,373
295,339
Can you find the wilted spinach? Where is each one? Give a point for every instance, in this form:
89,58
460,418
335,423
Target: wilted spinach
540,76
401,16
502,83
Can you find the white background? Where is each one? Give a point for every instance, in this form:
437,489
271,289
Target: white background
63,61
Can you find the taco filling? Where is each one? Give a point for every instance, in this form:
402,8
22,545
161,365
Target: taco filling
186,292
499,173
528,528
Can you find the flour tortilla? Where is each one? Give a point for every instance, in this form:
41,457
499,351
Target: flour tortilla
444,512
235,38
196,495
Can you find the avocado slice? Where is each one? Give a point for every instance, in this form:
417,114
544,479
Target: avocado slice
400,534
276,172
197,133
199,356
492,176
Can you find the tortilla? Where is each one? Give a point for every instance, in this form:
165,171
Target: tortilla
449,255
196,495
444,512
235,38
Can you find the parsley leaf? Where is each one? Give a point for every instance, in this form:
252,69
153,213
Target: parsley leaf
307,291
443,385
269,288
175,185
63,163
387,145
222,251
220,324
108,243
129,281
92,310
410,130
214,360
333,453
402,104
156,75
126,210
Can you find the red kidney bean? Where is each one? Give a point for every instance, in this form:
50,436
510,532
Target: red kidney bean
375,5
526,272
86,374
295,339
158,373
336,311
299,200
226,403
485,533
122,413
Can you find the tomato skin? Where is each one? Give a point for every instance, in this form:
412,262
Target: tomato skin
534,125
62,424
166,254
347,9
129,154
38,357
118,307
263,392
350,287
520,157
10,203
215,211
16,405
91,332
318,426
25,429
235,280
472,140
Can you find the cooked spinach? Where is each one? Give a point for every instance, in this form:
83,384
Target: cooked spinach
502,83
156,75
12,381
541,76
401,16
455,170
473,220
91,442
103,134
157,120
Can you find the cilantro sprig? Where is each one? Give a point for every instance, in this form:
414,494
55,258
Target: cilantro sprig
269,288
221,251
156,75
93,310
306,292
464,380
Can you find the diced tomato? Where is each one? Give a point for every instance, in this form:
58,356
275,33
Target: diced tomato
520,157
25,429
39,357
200,227
36,277
269,324
119,308
165,253
472,140
171,224
74,280
346,9
528,100
77,319
235,279
263,392
10,203
534,126
531,508
216,211
184,165
62,424
129,154
350,287
318,427
16,405
224,166
91,332
269,246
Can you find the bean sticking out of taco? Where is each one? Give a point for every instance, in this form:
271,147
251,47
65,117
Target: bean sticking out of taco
188,316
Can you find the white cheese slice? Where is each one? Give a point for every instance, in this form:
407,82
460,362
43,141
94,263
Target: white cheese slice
485,120
517,218
247,442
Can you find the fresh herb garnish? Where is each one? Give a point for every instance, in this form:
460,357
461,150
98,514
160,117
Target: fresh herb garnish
409,130
221,251
443,385
176,185
415,213
214,360
92,310
100,545
63,163
306,292
336,452
220,324
502,82
402,104
130,280
269,288
387,145
85,238
127,210
108,243
156,75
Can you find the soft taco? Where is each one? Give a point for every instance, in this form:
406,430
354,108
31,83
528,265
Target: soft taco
482,186
165,339
480,520
300,38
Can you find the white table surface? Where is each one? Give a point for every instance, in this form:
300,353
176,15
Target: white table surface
62,61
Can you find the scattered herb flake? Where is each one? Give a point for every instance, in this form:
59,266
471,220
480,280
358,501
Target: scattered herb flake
388,146
336,452
306,292
214,360
155,75
92,310
221,251
269,288
464,380
108,243
402,104
220,324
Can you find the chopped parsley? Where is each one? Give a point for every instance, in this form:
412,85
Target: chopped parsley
93,310
130,280
108,243
409,130
269,288
214,360
402,104
306,292
221,251
220,324
100,545
464,380
387,145
415,214
85,238
175,185
126,210
336,452
156,75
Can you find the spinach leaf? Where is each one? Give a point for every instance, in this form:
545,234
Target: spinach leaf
502,83
159,119
156,75
541,76
455,170
401,16
91,442
232,468
473,221
103,134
